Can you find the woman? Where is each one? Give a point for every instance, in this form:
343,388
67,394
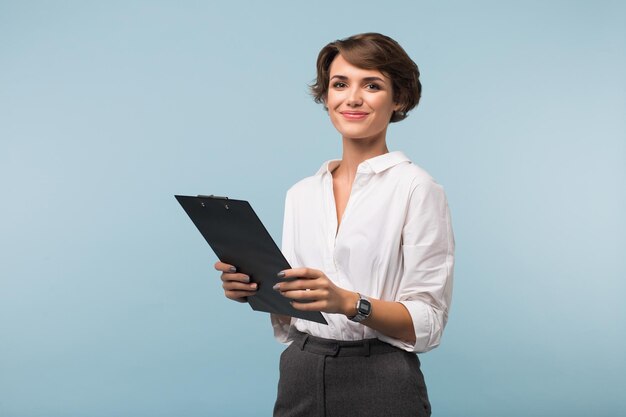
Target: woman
370,240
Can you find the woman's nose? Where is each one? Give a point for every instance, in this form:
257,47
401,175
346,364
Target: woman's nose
354,97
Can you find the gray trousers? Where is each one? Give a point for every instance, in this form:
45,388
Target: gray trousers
330,378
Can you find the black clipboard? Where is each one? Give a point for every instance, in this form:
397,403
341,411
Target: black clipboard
238,237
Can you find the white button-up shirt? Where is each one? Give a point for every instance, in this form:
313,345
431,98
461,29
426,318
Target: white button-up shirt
394,243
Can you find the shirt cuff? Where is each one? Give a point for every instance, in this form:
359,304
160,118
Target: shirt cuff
427,325
281,327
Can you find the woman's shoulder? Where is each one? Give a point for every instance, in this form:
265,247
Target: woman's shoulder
313,182
412,174
306,185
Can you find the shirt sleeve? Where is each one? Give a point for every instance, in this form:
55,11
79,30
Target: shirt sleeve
281,324
428,261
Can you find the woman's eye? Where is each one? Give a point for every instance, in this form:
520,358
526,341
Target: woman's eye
339,84
372,87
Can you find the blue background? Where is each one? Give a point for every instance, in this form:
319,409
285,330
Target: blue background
109,305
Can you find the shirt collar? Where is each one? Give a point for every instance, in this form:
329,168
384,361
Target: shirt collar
374,165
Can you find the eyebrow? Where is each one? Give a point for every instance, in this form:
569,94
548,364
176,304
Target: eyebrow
366,79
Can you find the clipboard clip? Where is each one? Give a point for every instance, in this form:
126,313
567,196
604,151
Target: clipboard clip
217,197
213,196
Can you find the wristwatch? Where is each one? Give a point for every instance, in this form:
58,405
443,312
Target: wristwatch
363,309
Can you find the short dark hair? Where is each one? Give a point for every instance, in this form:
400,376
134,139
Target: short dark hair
377,52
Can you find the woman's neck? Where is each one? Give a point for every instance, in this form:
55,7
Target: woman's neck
356,151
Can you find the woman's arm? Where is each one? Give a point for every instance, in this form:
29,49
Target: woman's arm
388,317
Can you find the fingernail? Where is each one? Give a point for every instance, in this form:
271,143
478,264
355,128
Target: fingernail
281,274
247,279
253,286
276,287
232,269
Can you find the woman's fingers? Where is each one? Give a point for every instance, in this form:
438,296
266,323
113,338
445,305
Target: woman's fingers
224,267
308,273
311,290
229,273
235,277
240,296
239,291
234,285
314,306
305,295
301,284
307,278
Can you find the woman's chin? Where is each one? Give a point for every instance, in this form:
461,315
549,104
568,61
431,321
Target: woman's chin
362,135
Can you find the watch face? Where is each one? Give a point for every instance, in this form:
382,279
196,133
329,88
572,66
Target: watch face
364,307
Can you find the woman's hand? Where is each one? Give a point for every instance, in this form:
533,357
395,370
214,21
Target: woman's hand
315,287
236,286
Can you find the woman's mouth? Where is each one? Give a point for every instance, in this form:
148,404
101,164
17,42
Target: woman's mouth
354,115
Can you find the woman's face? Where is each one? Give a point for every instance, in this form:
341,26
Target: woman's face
359,101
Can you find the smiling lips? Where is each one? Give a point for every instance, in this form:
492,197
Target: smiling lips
354,115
